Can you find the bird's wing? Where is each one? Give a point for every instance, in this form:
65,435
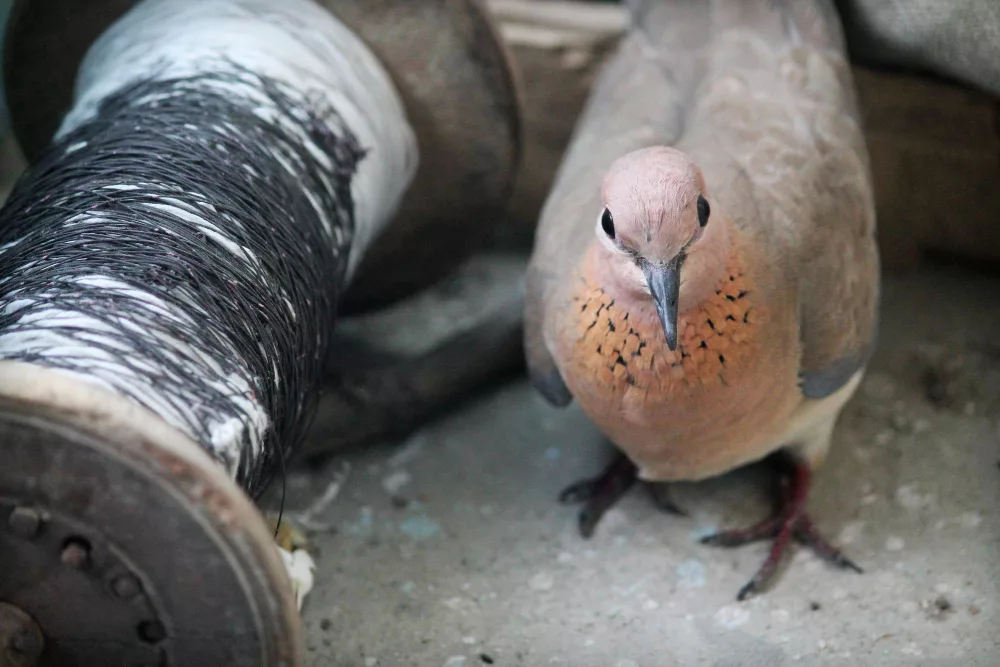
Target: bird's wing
542,367
775,118
836,251
838,265
839,282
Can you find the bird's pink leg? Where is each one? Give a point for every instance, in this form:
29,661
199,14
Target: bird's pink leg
600,493
790,520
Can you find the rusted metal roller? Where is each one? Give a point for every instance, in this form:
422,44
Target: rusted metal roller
147,392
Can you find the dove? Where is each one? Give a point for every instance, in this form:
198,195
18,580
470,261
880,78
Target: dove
705,277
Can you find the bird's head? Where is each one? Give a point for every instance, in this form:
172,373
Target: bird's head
655,212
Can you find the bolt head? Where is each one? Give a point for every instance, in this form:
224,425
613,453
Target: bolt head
25,522
152,632
126,586
76,553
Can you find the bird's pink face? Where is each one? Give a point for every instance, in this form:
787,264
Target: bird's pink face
655,211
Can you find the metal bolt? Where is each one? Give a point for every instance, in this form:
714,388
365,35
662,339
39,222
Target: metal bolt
126,586
25,522
76,552
152,632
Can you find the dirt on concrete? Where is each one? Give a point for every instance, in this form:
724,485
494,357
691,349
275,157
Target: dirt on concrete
450,545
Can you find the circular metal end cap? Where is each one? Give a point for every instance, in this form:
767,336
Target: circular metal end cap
123,543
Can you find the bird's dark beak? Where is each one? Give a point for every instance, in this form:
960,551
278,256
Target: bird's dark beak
664,282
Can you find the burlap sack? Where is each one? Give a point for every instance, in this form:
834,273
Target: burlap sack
953,38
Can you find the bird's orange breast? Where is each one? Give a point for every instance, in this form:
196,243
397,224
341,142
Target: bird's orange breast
685,413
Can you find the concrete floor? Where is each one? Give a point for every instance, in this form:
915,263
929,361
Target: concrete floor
449,549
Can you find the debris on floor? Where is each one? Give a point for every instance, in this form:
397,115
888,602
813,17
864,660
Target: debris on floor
451,545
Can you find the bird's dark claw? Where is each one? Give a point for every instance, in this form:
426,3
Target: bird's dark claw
790,520
599,494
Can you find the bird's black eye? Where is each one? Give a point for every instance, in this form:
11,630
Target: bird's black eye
703,211
608,224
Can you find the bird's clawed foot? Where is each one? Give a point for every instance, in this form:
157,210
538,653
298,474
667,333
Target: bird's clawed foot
790,520
600,493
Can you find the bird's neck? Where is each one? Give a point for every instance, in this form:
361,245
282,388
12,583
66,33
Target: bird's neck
707,262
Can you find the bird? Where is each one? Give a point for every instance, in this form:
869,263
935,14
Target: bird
704,280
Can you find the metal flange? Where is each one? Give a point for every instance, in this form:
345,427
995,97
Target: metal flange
449,66
124,542
119,537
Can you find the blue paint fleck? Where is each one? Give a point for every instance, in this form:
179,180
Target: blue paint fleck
408,587
691,573
553,453
419,527
363,526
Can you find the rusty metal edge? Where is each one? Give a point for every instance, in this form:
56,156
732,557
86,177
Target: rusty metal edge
51,400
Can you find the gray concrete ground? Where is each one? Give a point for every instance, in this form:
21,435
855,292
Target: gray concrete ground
449,549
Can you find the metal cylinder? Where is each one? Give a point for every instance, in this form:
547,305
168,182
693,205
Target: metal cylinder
162,341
